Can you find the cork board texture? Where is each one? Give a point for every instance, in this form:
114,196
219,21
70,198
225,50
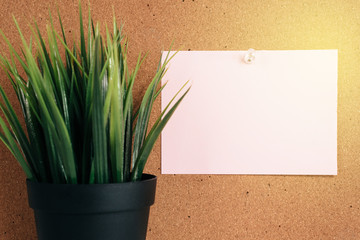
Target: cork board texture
217,207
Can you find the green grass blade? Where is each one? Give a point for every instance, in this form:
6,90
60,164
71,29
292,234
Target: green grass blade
166,108
143,120
13,51
53,160
117,119
35,133
128,144
18,132
83,54
73,56
10,142
44,52
98,126
150,142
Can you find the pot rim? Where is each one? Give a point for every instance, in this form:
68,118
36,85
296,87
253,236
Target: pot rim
92,198
146,177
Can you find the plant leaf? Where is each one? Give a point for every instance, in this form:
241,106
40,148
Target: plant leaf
150,141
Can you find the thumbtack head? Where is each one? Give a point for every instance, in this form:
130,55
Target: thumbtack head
249,56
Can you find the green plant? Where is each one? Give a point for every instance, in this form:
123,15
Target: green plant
80,120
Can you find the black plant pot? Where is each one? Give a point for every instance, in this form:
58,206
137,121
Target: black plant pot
117,211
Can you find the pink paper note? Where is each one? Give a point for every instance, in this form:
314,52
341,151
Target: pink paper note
277,115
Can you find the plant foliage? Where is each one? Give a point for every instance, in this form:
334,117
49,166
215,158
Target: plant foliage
81,124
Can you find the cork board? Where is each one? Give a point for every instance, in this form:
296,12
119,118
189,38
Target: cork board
217,207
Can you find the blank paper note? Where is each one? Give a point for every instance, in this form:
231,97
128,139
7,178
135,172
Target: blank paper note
277,115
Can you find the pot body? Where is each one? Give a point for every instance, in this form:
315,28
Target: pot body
115,211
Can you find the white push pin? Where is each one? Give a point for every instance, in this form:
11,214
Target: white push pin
250,56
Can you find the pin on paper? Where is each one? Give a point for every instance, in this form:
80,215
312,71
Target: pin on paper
249,56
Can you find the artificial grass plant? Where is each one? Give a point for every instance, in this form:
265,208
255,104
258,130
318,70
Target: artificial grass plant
81,124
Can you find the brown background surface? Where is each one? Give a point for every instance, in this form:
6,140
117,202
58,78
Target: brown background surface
217,207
